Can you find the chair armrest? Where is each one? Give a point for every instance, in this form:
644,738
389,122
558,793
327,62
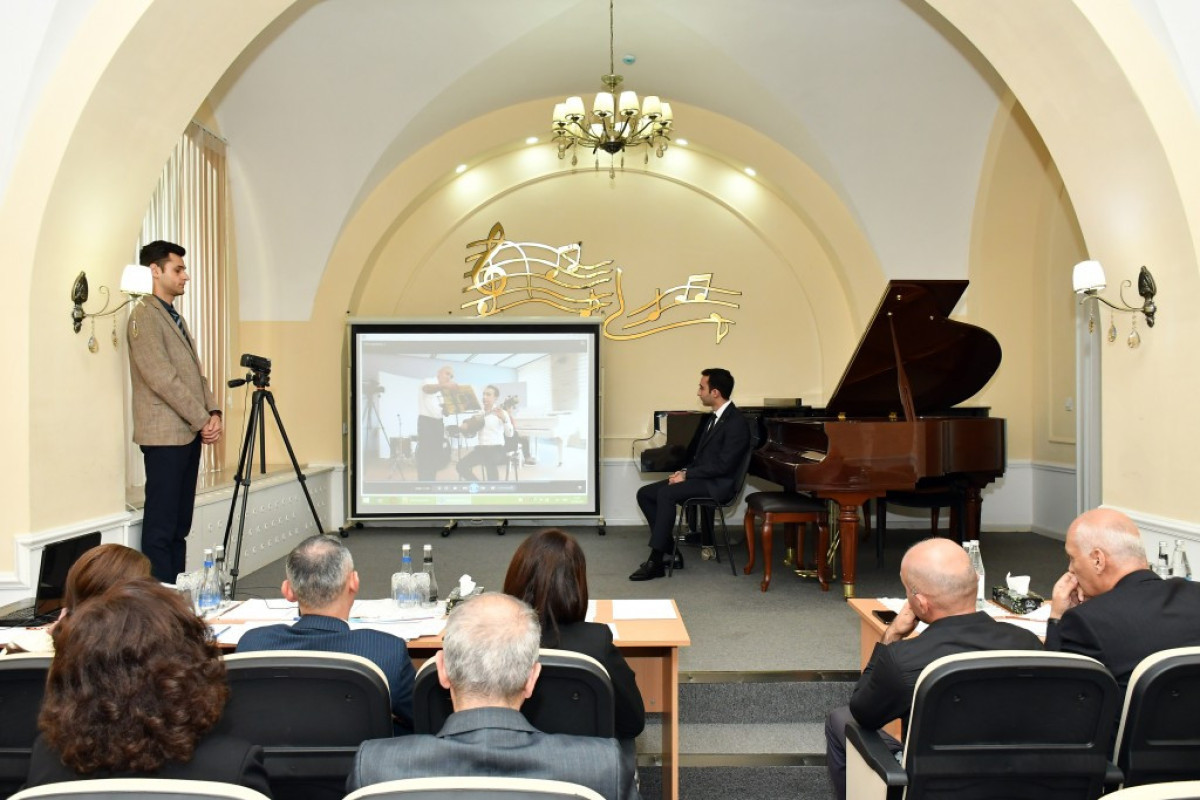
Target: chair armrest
875,754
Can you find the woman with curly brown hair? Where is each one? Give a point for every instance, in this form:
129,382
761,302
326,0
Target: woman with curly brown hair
549,572
134,690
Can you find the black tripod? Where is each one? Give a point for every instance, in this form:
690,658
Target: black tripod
261,380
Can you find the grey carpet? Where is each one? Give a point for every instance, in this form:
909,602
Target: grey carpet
733,625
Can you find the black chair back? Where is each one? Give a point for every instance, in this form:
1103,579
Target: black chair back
309,711
573,695
1159,736
1011,724
22,686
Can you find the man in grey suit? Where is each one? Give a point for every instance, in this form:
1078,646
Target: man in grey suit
489,663
173,410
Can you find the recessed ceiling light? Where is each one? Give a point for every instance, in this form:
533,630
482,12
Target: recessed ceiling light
460,169
531,140
681,142
750,171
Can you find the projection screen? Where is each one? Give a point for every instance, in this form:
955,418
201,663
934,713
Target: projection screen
473,419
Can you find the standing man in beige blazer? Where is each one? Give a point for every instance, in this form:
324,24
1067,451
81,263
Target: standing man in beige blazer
173,410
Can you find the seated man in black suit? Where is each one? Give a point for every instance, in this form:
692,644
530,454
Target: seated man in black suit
941,588
322,581
1109,605
489,662
714,458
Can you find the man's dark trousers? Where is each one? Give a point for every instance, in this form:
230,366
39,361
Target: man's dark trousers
170,499
658,500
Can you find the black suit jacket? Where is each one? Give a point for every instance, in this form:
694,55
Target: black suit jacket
217,758
885,690
1139,616
595,640
716,457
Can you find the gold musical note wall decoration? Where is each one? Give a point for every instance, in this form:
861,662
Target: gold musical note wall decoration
507,275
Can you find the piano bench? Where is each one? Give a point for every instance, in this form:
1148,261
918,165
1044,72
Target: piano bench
786,508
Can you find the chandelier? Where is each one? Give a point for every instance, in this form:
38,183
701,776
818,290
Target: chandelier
616,122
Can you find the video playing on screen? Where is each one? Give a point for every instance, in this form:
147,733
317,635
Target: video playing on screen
473,419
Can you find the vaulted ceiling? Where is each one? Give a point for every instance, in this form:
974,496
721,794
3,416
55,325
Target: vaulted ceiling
882,98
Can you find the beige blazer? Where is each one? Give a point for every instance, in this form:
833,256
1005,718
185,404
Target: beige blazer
171,399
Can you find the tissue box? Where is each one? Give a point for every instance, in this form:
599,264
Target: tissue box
1016,603
455,597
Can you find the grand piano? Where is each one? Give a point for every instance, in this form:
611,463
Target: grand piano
891,424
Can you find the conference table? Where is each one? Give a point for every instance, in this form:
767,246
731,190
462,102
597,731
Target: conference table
651,646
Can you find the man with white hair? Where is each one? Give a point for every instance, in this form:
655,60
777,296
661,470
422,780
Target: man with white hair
322,582
489,663
1109,605
940,586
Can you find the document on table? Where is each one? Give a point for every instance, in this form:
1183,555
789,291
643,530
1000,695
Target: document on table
261,610
232,633
386,610
643,609
407,630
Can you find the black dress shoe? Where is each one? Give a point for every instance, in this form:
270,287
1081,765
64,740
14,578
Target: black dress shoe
648,570
678,560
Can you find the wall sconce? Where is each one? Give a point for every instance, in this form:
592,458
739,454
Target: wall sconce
135,282
1089,281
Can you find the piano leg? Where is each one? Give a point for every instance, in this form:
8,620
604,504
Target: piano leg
973,508
848,533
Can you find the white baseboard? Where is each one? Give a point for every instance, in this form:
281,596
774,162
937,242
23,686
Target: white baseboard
1030,496
1156,530
277,517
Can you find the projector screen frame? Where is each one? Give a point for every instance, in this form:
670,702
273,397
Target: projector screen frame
369,497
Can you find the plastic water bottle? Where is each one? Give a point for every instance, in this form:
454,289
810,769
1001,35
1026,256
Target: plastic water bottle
222,575
402,581
210,590
1162,567
977,564
1179,563
427,568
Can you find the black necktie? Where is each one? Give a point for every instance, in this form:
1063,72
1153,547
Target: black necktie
712,423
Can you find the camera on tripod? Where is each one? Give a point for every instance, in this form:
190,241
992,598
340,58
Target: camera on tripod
260,376
260,372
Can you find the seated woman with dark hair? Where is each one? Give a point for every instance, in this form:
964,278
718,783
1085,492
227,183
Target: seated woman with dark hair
549,572
136,685
100,569
95,572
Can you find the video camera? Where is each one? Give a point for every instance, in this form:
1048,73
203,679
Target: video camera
260,372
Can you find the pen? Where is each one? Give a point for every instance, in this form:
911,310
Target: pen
217,634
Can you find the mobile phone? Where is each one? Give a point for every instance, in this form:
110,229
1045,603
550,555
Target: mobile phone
884,616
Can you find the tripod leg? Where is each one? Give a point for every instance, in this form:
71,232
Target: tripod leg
295,464
262,436
241,481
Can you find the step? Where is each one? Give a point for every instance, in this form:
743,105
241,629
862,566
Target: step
748,734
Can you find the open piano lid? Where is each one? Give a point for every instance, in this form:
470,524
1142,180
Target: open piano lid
946,362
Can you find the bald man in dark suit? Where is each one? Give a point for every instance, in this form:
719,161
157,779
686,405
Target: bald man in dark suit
1110,606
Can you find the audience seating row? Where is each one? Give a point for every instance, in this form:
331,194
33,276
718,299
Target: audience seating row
1036,725
411,789
1004,723
311,710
